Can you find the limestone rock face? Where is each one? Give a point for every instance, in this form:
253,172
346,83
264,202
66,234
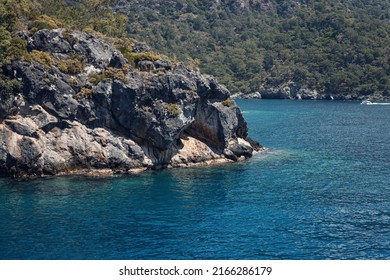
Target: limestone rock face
293,91
111,115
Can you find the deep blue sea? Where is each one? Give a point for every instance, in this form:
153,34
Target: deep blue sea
321,191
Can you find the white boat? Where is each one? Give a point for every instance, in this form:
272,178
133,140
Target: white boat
368,102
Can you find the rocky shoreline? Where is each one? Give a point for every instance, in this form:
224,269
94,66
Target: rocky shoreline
86,106
293,92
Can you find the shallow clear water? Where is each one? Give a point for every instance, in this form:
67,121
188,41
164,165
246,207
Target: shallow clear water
321,191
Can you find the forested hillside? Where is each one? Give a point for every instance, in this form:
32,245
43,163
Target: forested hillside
337,47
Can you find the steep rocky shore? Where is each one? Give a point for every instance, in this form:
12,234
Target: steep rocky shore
85,107
294,92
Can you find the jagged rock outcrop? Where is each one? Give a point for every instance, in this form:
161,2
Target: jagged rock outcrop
110,115
252,95
293,91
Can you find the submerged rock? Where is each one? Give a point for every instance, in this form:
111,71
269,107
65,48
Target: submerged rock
113,116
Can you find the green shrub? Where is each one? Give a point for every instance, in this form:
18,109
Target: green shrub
173,110
95,78
69,37
5,42
115,73
193,64
96,33
126,48
7,85
70,66
134,58
43,58
228,103
73,80
17,50
86,91
110,24
109,74
44,22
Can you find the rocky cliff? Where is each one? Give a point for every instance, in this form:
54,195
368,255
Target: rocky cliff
87,107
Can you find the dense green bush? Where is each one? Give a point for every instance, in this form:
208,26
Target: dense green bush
7,85
5,43
70,66
43,58
44,22
108,74
17,50
96,78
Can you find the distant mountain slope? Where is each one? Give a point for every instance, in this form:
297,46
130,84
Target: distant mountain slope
338,48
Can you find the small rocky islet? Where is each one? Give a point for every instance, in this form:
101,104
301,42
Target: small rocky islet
88,104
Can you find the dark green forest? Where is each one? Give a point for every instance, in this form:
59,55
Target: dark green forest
337,47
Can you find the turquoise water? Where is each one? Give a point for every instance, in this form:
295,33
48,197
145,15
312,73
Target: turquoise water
321,191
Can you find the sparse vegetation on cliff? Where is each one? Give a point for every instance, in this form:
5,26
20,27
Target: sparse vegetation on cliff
173,110
42,58
71,65
228,103
76,103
